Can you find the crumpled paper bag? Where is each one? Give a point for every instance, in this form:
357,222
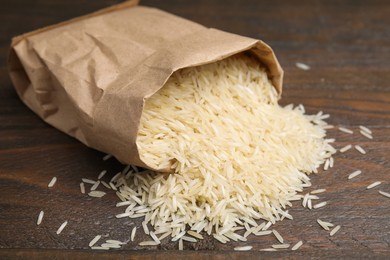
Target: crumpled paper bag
90,76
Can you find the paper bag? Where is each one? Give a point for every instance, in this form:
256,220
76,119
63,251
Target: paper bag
90,76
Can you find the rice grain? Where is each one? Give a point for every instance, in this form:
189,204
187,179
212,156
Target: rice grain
63,225
40,217
334,230
52,182
373,185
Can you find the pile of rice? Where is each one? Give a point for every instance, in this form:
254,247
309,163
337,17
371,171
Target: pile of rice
237,156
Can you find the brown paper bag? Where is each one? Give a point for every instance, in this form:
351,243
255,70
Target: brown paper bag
90,76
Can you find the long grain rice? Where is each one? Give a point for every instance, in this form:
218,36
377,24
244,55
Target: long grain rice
354,174
345,148
133,232
94,187
101,174
221,184
99,248
302,66
243,248
52,182
345,130
365,134
386,194
63,225
320,205
360,149
107,156
94,240
281,246
278,236
110,245
318,191
82,188
40,217
96,193
89,181
365,129
148,243
334,230
297,246
373,185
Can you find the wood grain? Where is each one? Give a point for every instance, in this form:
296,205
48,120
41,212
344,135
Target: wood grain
347,45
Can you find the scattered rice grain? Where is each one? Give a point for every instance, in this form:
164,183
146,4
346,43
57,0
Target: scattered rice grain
345,148
334,230
354,174
345,130
40,217
243,248
360,149
52,182
297,246
94,240
63,225
374,184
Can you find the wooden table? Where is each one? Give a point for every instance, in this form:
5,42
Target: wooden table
346,44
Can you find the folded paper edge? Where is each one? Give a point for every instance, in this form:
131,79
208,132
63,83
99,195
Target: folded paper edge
120,6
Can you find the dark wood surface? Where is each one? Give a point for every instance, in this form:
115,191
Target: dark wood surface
347,45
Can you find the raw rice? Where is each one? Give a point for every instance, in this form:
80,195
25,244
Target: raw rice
40,217
181,244
194,234
85,180
94,240
365,129
82,188
278,236
52,182
263,233
366,134
386,194
220,185
345,130
354,174
189,239
154,237
125,214
326,165
145,227
94,187
318,191
360,149
269,249
320,205
297,246
302,66
112,241
374,184
281,246
243,248
133,232
107,156
148,243
110,245
345,148
325,225
63,225
96,193
99,248
334,230
101,174
331,162
105,185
